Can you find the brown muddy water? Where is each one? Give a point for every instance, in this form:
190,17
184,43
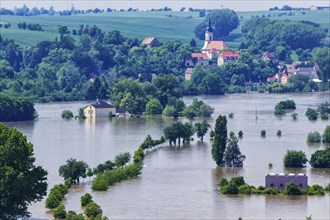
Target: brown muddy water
181,182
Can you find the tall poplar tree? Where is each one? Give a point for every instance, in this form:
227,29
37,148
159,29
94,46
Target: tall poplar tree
220,140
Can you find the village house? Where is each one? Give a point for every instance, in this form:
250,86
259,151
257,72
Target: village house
151,42
197,59
227,57
269,57
188,73
309,72
288,70
102,109
291,68
280,77
279,181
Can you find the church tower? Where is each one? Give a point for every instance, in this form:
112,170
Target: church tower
208,35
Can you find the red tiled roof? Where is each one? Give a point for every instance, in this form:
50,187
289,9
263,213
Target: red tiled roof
148,40
218,45
229,54
200,56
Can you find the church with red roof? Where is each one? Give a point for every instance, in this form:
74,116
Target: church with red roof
212,47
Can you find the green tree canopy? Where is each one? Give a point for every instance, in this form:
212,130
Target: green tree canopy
178,131
122,159
322,57
269,34
21,181
201,129
326,134
154,107
312,114
16,108
220,140
222,21
292,189
294,158
233,156
321,158
73,169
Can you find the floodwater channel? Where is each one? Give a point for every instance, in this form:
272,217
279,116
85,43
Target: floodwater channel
181,182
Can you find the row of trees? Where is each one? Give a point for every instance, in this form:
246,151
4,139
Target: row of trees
92,210
237,185
32,27
319,159
109,177
69,70
322,110
73,170
316,137
184,131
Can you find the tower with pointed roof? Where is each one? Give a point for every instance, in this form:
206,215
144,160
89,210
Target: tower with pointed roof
208,35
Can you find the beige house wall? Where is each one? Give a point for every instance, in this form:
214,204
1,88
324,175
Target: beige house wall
92,112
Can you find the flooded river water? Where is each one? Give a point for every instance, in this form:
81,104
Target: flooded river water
181,182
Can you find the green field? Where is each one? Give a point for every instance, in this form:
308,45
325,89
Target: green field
139,25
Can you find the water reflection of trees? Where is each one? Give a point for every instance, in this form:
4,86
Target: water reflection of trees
276,203
314,145
227,172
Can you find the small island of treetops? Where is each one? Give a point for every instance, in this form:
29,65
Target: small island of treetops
110,108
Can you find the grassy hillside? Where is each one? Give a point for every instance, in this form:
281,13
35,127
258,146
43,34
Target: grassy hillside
165,25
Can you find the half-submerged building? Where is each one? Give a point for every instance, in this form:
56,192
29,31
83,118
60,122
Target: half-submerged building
279,181
99,109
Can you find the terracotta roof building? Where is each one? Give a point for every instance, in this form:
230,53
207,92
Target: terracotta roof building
227,56
151,42
197,58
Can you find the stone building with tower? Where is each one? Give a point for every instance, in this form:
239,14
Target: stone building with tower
213,52
212,47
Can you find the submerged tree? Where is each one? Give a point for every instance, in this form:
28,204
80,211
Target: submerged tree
201,129
220,140
21,182
73,169
179,131
233,155
122,159
294,158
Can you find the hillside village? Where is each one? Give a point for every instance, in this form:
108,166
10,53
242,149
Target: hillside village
218,53
215,52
